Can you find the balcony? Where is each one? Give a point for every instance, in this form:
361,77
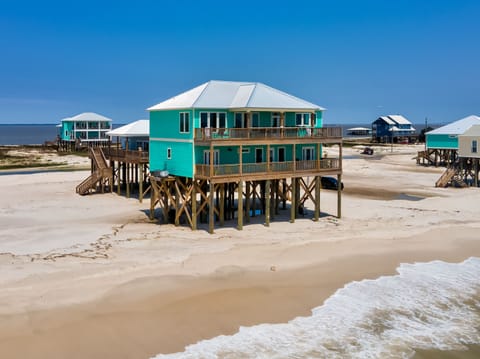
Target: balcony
117,154
269,170
266,134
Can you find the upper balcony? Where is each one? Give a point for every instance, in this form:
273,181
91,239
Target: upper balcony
268,134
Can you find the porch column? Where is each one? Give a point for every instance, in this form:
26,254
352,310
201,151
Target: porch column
211,160
140,185
222,204
247,201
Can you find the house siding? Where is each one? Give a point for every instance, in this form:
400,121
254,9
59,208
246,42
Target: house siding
465,146
442,141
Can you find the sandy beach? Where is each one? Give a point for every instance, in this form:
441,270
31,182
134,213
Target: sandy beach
93,277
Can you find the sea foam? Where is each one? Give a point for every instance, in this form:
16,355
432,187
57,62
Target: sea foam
433,305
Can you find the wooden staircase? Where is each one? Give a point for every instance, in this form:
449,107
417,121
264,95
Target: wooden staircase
446,177
101,174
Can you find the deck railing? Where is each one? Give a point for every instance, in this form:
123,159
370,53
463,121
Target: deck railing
119,154
208,134
246,169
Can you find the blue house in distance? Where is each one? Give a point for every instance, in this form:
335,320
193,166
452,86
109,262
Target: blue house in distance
392,128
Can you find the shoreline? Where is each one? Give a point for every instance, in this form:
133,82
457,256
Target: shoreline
162,314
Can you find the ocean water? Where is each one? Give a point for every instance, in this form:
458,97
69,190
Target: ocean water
27,134
432,307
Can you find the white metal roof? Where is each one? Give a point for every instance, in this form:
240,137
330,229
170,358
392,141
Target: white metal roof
388,120
138,128
457,127
400,119
359,129
472,131
235,95
88,116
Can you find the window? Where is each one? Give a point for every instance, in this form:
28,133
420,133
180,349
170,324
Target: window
281,154
184,122
308,154
302,119
240,120
474,146
255,119
213,120
245,150
216,157
169,153
275,119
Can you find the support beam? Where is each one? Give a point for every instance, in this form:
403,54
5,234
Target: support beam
194,205
247,201
339,196
293,205
140,185
211,208
317,198
240,205
222,204
267,203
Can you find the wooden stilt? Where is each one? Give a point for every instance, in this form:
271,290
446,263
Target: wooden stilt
194,205
127,183
339,196
293,206
317,198
247,201
267,203
240,205
222,204
211,208
140,185
297,196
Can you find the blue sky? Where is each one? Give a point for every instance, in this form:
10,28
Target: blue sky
359,59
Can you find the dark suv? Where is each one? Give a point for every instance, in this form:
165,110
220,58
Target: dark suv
330,183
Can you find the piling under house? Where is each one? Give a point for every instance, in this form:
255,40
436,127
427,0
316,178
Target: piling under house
226,150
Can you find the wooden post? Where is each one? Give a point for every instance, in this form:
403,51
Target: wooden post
293,206
112,164
317,198
284,193
240,205
297,195
475,173
211,208
267,203
222,204
140,185
127,183
339,196
194,204
177,201
254,199
247,202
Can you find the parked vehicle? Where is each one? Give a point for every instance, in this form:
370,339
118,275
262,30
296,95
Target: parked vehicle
330,183
367,151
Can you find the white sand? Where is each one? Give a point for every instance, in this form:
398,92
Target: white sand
58,248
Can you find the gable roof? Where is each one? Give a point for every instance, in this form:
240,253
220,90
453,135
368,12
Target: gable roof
457,127
88,116
235,95
395,120
138,128
472,131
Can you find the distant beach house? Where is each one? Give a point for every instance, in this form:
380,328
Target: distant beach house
221,135
469,141
392,128
85,128
446,137
359,131
134,136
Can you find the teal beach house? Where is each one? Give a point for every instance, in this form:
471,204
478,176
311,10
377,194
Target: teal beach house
87,128
225,132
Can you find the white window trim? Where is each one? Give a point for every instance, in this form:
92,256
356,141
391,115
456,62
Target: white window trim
278,116
303,124
180,120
